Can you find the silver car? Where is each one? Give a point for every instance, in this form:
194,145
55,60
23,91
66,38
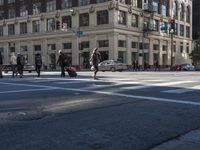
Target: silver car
112,65
187,67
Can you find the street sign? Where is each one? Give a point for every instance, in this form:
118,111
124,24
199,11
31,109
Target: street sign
79,33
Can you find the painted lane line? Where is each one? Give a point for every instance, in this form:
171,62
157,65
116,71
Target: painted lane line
180,91
146,85
123,95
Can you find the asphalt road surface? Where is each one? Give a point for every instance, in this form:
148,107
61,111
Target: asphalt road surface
120,111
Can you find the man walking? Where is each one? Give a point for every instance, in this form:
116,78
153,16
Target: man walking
13,62
61,62
1,65
20,64
38,63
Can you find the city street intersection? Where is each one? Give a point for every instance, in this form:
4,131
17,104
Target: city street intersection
121,110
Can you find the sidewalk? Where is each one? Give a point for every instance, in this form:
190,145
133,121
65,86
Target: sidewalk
189,141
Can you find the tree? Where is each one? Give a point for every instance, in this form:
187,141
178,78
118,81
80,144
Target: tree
195,54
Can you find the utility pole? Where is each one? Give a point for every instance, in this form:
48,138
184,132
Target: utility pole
172,31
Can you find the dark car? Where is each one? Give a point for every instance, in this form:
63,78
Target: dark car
27,67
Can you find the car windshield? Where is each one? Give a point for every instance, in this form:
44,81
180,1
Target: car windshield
117,62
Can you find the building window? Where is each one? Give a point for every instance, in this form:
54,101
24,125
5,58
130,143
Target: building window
50,24
182,12
11,29
188,31
84,2
187,49
121,43
1,30
134,45
67,20
101,1
175,9
23,28
23,11
36,26
11,13
176,29
164,10
102,17
37,47
188,14
155,25
181,49
67,45
66,4
134,20
164,48
23,48
1,14
103,43
156,47
11,1
51,5
1,2
84,44
84,19
51,47
181,30
122,17
36,8
155,6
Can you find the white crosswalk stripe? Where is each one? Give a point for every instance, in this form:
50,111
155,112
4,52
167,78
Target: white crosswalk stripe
114,82
182,90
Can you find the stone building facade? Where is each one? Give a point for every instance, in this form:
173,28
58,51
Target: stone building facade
124,30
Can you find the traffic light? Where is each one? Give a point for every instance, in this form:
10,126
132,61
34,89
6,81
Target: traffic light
172,29
58,25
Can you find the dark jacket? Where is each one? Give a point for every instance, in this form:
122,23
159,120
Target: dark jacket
61,59
96,59
38,60
1,60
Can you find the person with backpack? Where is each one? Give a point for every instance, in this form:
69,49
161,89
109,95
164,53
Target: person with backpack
62,61
38,64
1,65
94,61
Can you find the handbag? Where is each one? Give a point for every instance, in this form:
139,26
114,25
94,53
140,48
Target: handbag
92,68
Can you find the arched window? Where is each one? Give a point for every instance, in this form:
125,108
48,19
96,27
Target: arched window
182,12
188,14
175,9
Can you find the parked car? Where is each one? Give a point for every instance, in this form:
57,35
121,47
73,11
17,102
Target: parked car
112,65
187,67
27,67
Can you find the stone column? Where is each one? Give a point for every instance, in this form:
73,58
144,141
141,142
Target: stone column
30,52
129,43
6,53
113,46
151,52
160,58
75,51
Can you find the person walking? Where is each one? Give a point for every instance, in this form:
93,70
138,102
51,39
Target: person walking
38,64
61,61
1,65
20,64
95,59
13,63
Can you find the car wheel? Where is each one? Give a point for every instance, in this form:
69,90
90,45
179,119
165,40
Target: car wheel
113,69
